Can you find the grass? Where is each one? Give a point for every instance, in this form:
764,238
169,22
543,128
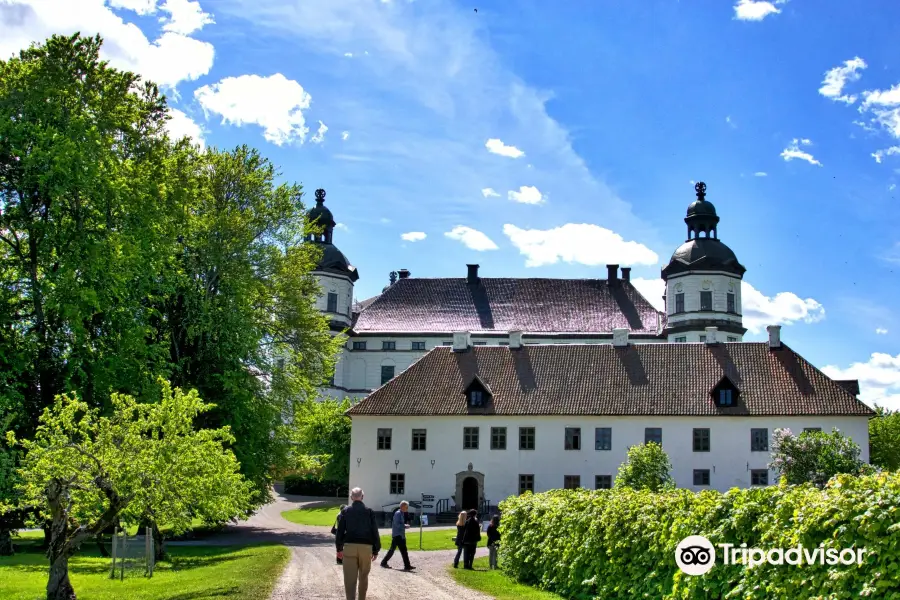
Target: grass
323,515
496,584
433,539
195,572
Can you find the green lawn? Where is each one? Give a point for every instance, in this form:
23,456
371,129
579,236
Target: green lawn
195,572
496,584
440,539
323,515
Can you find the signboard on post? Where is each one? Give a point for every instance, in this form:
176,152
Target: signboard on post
423,518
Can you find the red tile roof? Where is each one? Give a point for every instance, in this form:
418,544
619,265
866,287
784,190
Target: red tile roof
600,379
502,304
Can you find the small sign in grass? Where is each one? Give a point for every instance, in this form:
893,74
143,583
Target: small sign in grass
496,584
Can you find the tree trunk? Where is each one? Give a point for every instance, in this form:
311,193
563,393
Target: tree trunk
6,545
58,586
47,535
101,547
159,549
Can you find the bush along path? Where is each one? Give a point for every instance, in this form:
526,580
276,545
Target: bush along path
312,573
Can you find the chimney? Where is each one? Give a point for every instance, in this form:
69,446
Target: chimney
711,335
403,273
515,340
611,274
620,337
461,341
472,276
774,336
626,273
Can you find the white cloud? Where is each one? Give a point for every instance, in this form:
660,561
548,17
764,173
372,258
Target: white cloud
341,226
320,134
759,310
889,97
170,59
495,146
879,155
471,238
348,54
580,243
760,174
881,331
489,193
879,379
345,135
889,121
180,125
838,77
793,151
892,187
413,236
752,10
185,16
527,194
275,103
730,122
384,220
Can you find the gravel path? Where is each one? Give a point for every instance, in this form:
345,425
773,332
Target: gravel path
312,573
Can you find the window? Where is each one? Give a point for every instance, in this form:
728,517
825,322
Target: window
573,438
526,438
730,307
526,484
603,438
701,476
387,373
418,345
701,440
732,338
705,300
498,438
476,397
504,343
681,339
679,303
388,345
759,440
653,434
479,343
398,483
726,397
359,345
332,302
470,438
702,338
812,429
602,482
418,439
446,343
759,477
384,439
571,482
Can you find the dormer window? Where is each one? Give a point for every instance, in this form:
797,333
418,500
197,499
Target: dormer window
725,394
476,397
477,393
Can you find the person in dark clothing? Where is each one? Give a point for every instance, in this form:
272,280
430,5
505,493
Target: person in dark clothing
460,528
471,537
398,538
493,540
334,527
358,545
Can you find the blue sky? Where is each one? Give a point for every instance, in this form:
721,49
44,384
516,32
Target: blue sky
548,139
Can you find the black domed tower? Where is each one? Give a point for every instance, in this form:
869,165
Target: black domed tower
703,281
334,272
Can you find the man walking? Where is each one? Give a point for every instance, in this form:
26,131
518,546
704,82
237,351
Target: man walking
398,538
358,544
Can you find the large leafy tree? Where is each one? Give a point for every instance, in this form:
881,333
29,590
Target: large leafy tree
323,439
884,439
815,456
647,466
89,471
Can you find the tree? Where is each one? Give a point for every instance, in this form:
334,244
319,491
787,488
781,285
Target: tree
647,466
814,456
884,439
323,439
87,471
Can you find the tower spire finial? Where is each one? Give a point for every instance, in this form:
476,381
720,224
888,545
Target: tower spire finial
320,196
700,188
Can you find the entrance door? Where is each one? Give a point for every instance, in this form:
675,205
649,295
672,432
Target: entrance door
470,493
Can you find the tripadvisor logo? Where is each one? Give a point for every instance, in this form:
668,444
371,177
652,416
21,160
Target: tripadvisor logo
696,555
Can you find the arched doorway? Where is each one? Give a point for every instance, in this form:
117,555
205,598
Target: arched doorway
470,493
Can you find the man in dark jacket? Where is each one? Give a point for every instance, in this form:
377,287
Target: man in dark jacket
471,537
358,545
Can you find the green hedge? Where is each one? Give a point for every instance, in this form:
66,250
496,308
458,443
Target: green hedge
303,485
621,543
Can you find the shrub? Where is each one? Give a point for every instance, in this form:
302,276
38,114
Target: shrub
305,485
647,467
621,543
815,456
884,439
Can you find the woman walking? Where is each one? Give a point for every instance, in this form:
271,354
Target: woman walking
471,537
493,535
460,529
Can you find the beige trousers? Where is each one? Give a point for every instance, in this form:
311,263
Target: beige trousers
357,564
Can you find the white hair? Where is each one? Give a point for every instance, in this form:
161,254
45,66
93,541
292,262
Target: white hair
404,503
356,494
